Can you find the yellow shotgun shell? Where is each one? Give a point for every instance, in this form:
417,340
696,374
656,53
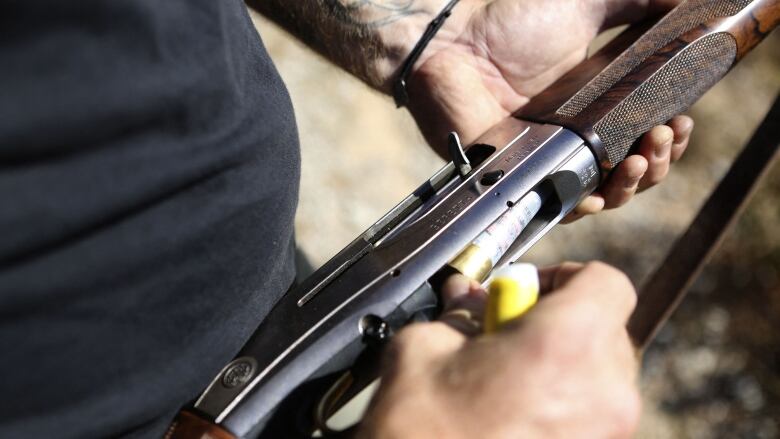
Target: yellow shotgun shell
513,290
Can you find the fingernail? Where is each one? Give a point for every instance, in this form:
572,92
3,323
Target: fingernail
662,150
689,127
682,132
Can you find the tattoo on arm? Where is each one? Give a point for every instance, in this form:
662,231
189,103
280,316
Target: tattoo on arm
350,32
385,12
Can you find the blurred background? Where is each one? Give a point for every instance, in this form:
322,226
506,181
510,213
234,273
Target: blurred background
714,370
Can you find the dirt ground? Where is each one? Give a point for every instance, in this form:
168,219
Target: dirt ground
713,372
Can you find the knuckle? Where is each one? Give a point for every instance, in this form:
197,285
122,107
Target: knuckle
680,146
658,174
406,342
615,281
563,346
682,126
625,412
614,198
422,339
615,277
622,198
598,268
411,335
570,265
678,150
571,337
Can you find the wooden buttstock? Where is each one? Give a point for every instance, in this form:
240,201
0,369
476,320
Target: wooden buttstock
188,425
650,73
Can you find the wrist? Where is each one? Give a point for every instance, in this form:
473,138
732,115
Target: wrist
400,37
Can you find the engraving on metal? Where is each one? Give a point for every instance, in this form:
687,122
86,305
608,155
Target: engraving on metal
588,173
450,213
238,373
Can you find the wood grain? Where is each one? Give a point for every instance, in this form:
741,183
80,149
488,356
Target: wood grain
585,99
188,425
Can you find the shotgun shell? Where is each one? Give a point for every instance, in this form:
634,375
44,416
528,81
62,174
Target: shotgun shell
513,290
479,257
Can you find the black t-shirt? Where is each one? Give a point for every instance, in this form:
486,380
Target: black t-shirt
149,170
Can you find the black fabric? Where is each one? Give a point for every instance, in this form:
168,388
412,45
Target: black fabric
148,175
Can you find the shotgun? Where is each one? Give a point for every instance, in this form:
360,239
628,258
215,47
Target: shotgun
320,344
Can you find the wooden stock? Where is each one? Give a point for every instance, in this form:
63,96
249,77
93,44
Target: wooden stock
188,425
764,17
611,100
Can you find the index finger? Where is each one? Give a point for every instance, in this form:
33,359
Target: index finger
555,276
591,288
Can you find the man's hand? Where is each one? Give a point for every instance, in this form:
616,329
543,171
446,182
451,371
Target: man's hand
510,50
566,369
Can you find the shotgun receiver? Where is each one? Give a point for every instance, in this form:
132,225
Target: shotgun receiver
320,344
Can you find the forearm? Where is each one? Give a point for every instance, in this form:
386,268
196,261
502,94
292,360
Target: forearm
369,38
